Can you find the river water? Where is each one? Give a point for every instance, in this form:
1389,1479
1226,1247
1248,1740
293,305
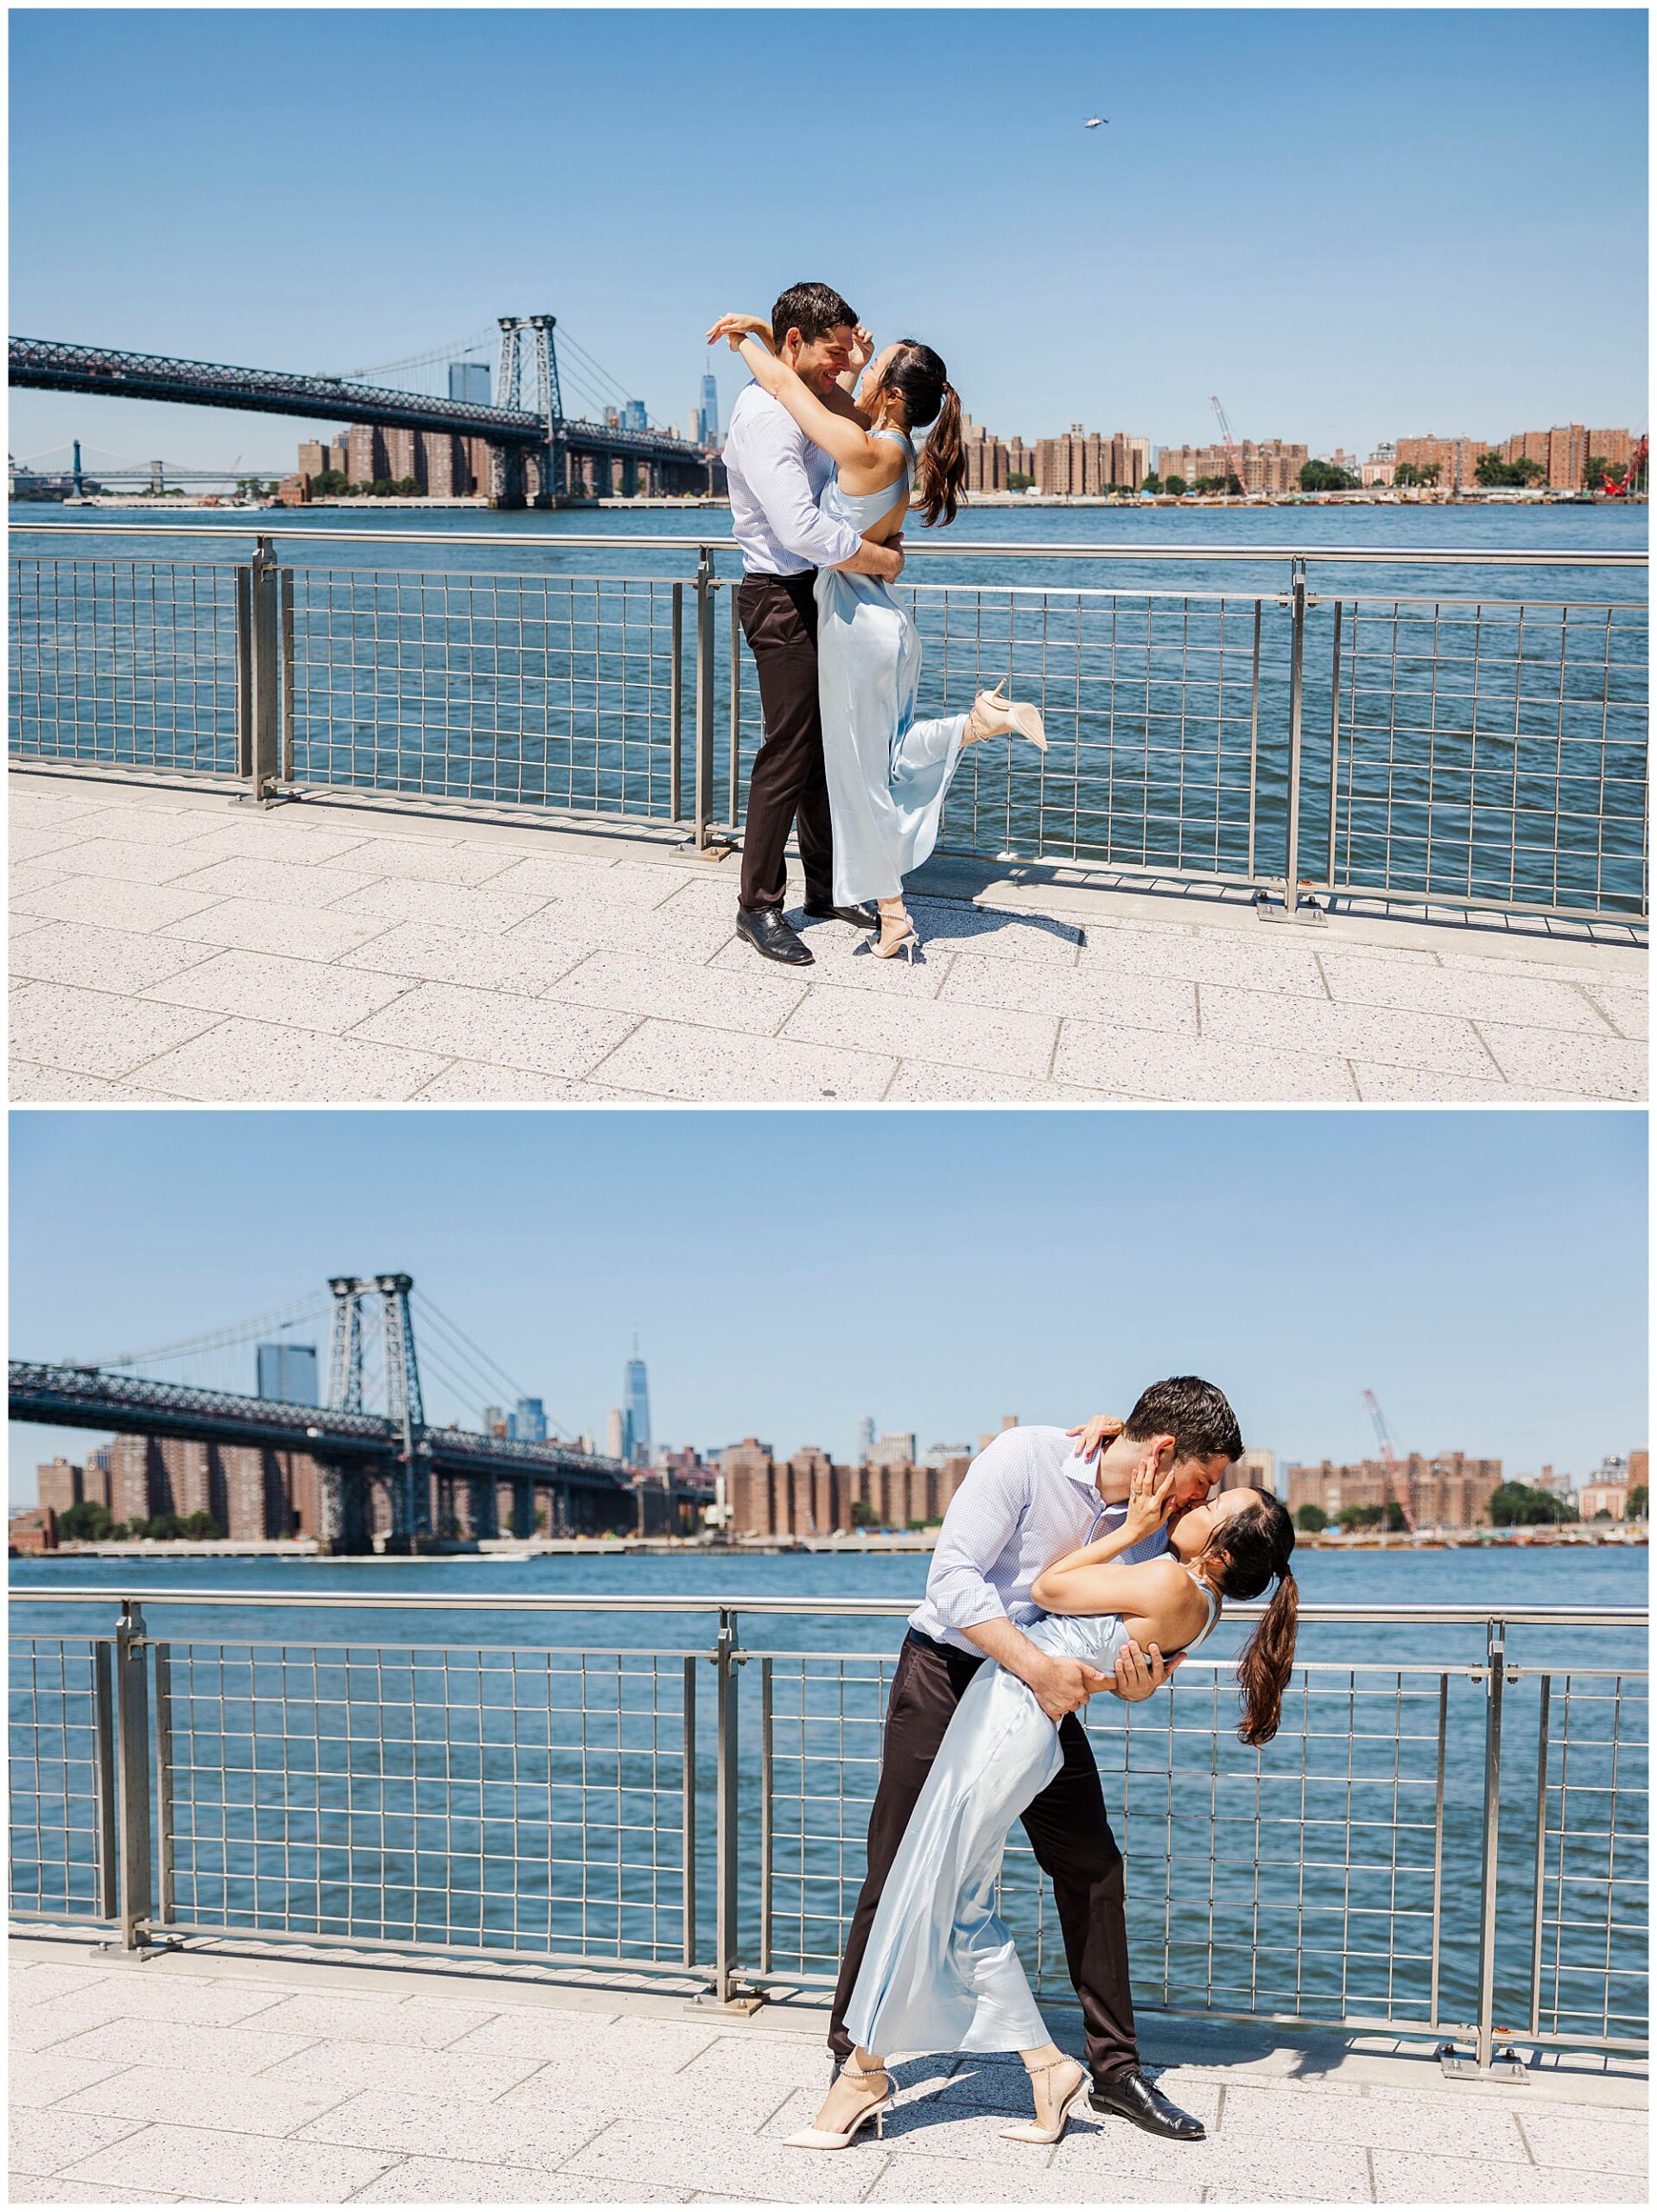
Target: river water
519,1782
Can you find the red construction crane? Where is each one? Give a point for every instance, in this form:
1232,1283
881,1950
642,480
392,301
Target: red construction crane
1234,462
1619,491
1395,1475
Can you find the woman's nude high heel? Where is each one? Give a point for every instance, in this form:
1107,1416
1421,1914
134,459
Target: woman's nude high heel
898,932
825,2138
992,715
1032,2131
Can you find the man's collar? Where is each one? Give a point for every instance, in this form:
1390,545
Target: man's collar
1084,1472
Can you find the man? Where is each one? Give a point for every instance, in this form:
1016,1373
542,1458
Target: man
1029,1498
777,475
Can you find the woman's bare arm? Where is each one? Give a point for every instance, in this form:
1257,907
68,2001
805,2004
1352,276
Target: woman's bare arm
840,436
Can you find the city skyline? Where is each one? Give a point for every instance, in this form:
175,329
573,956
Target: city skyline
1382,344
1390,1251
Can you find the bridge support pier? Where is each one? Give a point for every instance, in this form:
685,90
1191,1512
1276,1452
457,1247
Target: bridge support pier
506,476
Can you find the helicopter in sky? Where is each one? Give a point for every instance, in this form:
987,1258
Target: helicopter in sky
1094,121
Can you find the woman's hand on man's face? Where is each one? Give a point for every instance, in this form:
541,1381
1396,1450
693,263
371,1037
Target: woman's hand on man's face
1150,1494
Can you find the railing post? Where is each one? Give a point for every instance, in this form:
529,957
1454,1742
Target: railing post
1486,2059
677,710
259,685
726,1993
109,1830
704,791
135,1864
1495,1680
734,801
688,1814
1296,685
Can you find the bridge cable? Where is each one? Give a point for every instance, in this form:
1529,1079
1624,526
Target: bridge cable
454,1329
218,1339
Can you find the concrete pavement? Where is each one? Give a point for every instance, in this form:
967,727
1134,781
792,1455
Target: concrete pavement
168,947
240,2077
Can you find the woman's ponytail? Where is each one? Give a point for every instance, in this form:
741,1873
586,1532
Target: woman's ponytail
1267,1661
942,468
1254,1546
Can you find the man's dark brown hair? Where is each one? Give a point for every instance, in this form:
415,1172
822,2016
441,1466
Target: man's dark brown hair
1193,1412
812,310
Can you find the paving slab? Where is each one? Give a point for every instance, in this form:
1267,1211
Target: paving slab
301,993
254,2105
231,2167
1401,2178
481,960
96,959
258,1060
671,1060
446,2181
998,1040
96,1032
548,1037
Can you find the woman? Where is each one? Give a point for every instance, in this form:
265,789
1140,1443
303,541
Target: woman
941,1971
887,773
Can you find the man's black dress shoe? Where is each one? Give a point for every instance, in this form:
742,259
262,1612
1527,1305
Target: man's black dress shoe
860,918
773,935
1131,2097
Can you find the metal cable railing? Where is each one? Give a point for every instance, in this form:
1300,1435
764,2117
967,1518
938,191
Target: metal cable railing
1475,752
1453,1849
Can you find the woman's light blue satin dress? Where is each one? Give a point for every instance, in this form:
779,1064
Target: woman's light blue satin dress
942,1970
887,773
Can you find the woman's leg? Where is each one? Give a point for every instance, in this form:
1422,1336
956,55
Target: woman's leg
1055,2077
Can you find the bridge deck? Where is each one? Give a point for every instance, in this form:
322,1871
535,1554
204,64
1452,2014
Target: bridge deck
249,2077
167,947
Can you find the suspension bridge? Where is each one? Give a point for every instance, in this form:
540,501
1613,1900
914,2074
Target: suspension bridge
366,1467
519,444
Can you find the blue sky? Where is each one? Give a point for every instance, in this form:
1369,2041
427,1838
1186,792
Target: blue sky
1349,223
1483,1273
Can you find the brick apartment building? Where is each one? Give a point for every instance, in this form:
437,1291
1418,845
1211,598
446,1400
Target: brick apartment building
1085,464
253,1494
1268,465
440,466
1449,1491
1562,452
811,1496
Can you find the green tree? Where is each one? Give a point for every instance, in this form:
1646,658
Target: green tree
1519,1505
1152,483
85,1523
1360,1517
1017,483
201,1527
862,1514
1176,485
1324,476
405,487
329,484
1638,1501
1408,476
1311,1520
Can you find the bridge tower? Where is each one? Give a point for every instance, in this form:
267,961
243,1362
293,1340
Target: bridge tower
527,354
382,1302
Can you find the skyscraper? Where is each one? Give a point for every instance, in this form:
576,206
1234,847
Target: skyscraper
636,1401
866,1441
469,380
633,417
528,1422
288,1374
708,409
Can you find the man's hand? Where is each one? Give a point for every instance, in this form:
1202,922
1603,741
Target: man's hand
1138,1673
886,561
1095,1434
1065,1685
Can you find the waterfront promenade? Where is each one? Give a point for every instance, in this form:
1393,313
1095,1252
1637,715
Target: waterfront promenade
168,946
233,2076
